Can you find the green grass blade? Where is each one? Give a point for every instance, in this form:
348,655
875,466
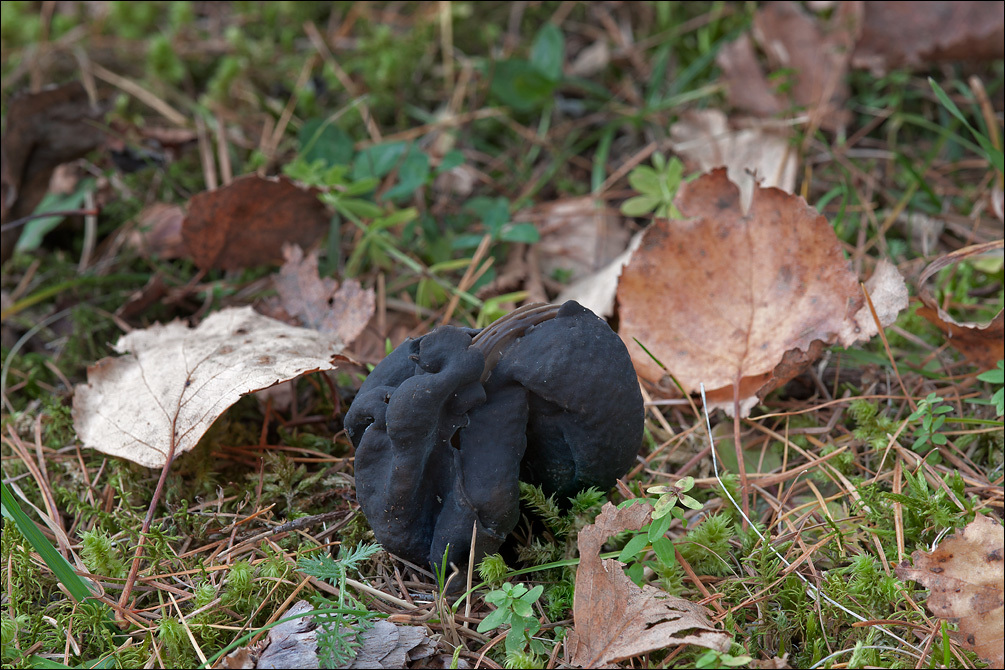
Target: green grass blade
60,566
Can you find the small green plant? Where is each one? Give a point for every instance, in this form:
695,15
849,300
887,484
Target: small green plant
930,412
528,85
996,376
664,512
515,608
338,632
871,427
657,187
718,659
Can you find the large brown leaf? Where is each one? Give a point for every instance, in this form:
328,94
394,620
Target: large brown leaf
965,575
247,222
723,297
615,619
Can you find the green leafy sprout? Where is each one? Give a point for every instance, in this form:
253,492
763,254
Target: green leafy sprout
515,608
657,187
996,376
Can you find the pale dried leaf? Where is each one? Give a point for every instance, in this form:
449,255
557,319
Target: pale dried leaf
319,302
752,156
591,60
578,235
597,291
889,296
387,645
723,298
175,381
747,88
614,618
965,574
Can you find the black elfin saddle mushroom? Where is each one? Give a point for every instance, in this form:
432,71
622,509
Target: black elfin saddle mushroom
448,424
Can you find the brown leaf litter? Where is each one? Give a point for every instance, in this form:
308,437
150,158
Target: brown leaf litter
722,297
965,574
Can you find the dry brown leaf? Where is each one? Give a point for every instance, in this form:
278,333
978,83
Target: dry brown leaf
747,87
43,130
247,222
895,34
965,574
818,54
158,231
722,297
751,156
175,381
615,619
578,235
387,645
982,344
319,302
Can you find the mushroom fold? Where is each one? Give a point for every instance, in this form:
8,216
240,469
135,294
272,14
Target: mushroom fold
449,423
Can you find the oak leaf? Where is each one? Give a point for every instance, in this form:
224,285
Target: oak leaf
615,619
172,382
965,574
722,297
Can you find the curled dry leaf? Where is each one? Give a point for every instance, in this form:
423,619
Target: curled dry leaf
597,291
895,34
615,619
965,574
756,155
173,381
158,231
982,344
43,130
247,222
319,302
723,297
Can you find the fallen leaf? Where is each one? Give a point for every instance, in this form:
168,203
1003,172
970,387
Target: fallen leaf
578,236
387,645
723,297
247,222
590,60
615,619
597,291
981,344
158,231
747,87
173,381
43,130
965,574
319,302
756,155
817,53
897,34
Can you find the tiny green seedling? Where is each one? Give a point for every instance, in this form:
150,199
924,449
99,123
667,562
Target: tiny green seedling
515,608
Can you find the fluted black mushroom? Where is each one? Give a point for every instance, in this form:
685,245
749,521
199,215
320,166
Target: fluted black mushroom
448,424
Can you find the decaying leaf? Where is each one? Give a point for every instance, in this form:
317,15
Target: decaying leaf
247,222
158,231
965,574
747,87
293,644
982,344
756,155
723,297
43,130
319,302
816,53
615,619
597,291
578,236
173,381
895,34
